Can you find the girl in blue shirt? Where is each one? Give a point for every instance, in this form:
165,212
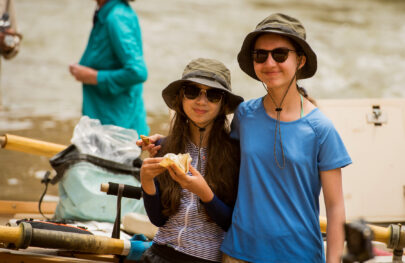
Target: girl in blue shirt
289,150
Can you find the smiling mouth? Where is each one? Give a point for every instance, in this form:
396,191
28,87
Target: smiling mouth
200,111
271,72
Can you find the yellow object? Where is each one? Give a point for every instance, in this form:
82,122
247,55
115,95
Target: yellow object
14,207
27,145
381,234
24,235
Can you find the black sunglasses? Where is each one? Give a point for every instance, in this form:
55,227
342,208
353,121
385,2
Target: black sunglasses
191,92
279,54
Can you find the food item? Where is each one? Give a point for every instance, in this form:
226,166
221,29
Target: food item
180,160
145,140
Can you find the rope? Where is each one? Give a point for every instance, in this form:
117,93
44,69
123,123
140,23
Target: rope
278,110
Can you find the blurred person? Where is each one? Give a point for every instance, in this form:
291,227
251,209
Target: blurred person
9,37
112,68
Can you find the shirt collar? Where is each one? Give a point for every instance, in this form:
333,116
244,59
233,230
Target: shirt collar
105,9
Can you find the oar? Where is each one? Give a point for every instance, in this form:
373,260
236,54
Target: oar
388,235
17,143
24,235
27,145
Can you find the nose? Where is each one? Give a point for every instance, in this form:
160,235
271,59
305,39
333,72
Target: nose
202,97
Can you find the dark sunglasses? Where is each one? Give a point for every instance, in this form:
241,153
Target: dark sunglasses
279,54
213,95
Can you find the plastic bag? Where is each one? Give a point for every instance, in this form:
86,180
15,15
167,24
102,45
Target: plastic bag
106,141
99,154
81,198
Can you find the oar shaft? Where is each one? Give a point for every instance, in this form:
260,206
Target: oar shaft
77,242
32,146
24,236
381,234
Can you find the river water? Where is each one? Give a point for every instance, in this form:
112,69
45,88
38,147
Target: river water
360,47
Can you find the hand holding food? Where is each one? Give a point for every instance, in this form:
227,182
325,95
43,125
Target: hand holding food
147,143
145,140
182,161
195,182
149,170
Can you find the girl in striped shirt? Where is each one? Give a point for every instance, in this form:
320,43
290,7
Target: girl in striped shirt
193,210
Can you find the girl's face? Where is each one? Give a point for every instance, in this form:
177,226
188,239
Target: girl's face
201,110
276,74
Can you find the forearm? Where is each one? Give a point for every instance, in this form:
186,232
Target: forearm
153,207
219,212
205,194
148,186
335,233
119,80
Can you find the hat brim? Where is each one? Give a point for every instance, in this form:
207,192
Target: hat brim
171,91
245,59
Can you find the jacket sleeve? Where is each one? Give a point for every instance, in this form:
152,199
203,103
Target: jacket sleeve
219,212
154,207
125,37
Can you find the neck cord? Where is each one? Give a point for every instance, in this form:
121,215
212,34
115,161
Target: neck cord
202,131
278,110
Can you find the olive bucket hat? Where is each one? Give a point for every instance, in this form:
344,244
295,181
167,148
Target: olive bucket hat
208,72
282,25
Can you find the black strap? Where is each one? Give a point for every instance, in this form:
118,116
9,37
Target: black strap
45,181
117,223
278,110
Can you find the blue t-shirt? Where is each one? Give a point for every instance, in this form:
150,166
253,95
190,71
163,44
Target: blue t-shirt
276,215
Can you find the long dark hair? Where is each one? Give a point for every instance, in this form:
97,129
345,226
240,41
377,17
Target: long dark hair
222,161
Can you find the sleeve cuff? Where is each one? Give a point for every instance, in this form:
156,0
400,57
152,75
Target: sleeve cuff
102,78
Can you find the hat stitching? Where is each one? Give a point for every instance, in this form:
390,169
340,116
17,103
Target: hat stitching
206,75
283,29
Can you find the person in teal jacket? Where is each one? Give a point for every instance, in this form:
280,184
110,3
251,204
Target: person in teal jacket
112,68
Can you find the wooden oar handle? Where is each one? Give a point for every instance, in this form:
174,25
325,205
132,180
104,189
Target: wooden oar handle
25,235
381,234
32,146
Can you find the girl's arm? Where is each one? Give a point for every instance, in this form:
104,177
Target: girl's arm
335,213
219,212
153,207
151,198
154,144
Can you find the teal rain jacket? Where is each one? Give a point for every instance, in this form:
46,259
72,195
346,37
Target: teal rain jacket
115,50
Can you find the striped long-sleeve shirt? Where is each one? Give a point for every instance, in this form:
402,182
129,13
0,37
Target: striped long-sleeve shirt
191,231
